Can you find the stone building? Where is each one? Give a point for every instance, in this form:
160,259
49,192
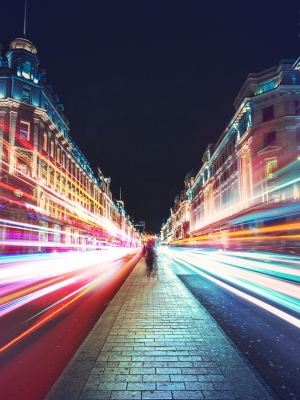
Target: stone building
49,195
253,169
178,224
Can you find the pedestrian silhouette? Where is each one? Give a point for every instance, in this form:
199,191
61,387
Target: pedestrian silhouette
151,259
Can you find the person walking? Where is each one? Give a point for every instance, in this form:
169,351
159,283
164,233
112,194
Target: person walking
150,258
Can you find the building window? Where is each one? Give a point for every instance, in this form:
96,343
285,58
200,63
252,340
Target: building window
44,172
51,207
270,139
45,142
243,126
297,107
64,160
52,149
294,79
26,95
271,168
268,113
22,168
24,130
26,70
268,86
235,166
58,154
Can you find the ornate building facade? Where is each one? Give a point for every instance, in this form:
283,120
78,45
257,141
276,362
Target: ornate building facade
177,226
253,169
49,195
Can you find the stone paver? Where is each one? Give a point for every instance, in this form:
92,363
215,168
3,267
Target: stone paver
159,343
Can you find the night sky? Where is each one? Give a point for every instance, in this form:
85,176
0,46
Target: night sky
148,84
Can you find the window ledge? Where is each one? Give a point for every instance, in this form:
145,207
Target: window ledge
269,149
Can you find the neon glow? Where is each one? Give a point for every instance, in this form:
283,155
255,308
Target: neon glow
277,282
72,205
64,278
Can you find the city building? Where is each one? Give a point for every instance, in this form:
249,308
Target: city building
50,198
250,177
140,226
167,230
177,226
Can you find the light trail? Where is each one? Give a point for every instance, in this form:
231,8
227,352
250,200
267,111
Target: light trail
40,323
52,282
251,279
72,202
9,306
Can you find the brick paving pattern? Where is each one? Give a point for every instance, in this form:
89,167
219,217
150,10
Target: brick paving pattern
163,345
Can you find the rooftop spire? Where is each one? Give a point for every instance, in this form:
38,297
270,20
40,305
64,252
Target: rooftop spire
25,14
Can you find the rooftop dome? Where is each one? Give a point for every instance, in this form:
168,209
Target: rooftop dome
21,43
190,174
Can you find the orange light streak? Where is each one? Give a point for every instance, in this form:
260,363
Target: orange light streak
247,234
43,321
70,180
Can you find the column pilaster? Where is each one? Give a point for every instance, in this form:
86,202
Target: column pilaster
2,115
12,141
35,147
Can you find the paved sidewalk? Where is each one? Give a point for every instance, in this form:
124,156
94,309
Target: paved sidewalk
155,341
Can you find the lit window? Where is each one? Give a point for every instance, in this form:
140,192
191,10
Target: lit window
64,160
58,154
24,130
26,95
268,86
271,168
26,70
296,192
23,168
52,149
45,142
294,79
